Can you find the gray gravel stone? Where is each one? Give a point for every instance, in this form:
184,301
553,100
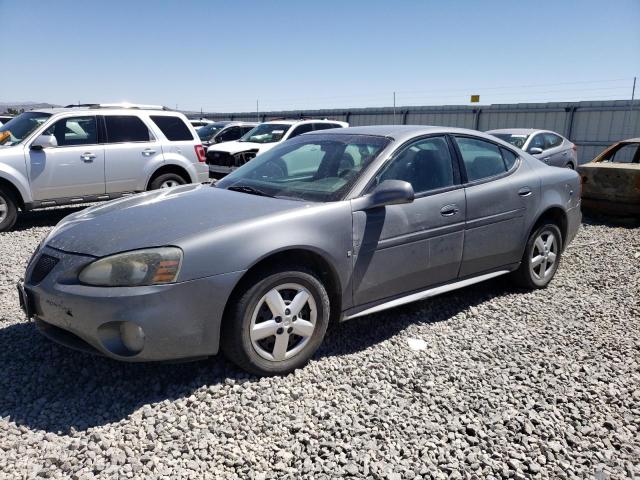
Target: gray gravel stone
510,384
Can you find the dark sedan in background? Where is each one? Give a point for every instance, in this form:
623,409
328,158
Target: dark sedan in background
331,224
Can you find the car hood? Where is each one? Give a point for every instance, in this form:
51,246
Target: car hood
158,218
236,147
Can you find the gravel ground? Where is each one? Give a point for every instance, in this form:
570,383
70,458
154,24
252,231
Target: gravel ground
486,382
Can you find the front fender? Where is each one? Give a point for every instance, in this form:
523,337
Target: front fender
18,180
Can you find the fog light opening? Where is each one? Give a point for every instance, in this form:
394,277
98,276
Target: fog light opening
132,336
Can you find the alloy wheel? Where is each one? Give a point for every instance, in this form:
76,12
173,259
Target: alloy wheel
543,255
169,184
283,322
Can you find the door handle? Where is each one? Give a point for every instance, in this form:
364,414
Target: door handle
449,210
87,157
147,151
524,192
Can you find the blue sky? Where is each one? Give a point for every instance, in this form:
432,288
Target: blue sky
222,56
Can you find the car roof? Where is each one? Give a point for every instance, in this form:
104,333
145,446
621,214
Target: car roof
400,132
517,131
293,121
56,110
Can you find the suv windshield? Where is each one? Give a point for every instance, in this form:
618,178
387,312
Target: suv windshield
515,139
208,131
318,168
266,133
16,130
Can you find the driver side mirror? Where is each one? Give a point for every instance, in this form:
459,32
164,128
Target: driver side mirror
44,141
534,151
389,192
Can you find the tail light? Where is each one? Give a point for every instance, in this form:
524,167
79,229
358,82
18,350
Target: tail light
573,147
200,153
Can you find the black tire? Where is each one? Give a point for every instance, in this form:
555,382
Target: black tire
526,276
157,182
8,214
236,343
570,166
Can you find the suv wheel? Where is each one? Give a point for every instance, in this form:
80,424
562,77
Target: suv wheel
541,257
8,211
166,180
277,324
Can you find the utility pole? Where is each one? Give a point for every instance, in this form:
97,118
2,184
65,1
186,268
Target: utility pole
257,110
630,112
394,108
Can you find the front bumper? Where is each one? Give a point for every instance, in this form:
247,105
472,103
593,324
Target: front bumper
574,220
169,322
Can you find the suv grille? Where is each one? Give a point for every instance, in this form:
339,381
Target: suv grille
43,266
219,158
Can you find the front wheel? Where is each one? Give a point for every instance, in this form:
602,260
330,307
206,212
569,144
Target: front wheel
276,324
541,257
8,211
166,180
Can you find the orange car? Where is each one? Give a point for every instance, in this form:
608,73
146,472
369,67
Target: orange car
611,181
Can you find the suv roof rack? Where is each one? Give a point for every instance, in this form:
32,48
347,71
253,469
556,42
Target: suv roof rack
117,105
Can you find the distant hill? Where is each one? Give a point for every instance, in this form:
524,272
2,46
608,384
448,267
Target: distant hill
26,105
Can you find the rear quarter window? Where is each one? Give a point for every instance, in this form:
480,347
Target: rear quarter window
172,127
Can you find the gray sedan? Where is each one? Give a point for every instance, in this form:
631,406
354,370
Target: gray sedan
550,147
333,224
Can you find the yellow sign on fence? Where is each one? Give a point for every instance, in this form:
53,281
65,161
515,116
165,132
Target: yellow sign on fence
475,98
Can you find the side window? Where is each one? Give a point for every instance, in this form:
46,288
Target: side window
231,133
625,153
426,164
509,158
325,126
172,127
551,140
537,142
307,127
481,159
74,131
126,128
246,129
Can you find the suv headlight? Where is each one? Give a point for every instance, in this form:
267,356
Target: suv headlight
152,266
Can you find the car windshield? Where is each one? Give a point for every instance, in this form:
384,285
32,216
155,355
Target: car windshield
266,133
318,168
515,139
208,131
16,130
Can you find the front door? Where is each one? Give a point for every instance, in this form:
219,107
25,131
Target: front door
75,168
404,248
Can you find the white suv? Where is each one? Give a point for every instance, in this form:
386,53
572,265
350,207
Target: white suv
225,157
90,153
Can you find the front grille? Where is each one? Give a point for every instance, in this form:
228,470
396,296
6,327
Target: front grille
43,266
222,159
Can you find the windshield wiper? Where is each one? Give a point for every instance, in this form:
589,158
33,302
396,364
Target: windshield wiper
249,189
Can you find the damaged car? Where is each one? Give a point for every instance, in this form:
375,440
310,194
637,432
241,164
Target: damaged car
611,181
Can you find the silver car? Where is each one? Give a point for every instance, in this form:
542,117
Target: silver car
333,224
550,147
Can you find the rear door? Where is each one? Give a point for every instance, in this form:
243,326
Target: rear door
404,248
75,168
500,195
556,150
130,146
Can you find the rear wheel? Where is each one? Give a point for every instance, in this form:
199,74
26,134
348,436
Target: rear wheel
570,166
276,324
541,257
166,180
8,211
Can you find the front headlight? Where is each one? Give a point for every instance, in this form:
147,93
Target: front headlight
152,266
